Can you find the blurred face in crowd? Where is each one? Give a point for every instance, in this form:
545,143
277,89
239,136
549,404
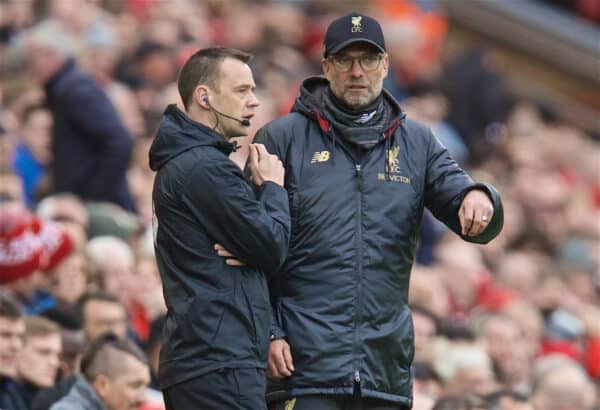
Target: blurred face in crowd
37,134
100,316
500,335
424,328
235,97
119,276
11,343
158,69
356,74
42,62
125,390
11,190
40,359
69,279
478,380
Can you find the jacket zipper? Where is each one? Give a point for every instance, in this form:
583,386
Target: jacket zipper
360,274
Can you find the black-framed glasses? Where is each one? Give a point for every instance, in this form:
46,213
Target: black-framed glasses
368,62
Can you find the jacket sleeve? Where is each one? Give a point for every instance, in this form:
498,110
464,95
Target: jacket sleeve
447,185
93,114
264,137
254,227
277,332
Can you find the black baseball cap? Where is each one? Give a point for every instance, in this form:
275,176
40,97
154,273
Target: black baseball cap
349,29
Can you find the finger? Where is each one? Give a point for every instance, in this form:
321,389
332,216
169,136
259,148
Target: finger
262,151
219,247
477,225
234,262
224,252
461,218
287,357
281,365
272,369
253,157
468,221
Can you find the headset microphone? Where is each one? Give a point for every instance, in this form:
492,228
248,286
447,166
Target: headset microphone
245,122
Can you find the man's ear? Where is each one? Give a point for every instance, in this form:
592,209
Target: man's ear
102,385
386,65
325,65
201,96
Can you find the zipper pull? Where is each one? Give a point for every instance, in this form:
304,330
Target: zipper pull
357,376
357,167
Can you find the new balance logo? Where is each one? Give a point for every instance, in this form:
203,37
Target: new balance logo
320,156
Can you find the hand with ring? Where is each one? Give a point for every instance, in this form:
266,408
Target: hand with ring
475,212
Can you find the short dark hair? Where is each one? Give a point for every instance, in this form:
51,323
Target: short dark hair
9,307
203,68
101,356
90,296
37,326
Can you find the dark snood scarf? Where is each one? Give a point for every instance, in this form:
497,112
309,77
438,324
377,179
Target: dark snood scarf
364,128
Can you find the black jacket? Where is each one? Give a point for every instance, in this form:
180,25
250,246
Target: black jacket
90,144
11,395
218,315
341,298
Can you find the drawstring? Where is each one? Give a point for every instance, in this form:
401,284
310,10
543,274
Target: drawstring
387,157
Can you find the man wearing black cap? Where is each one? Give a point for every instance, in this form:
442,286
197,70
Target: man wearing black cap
358,175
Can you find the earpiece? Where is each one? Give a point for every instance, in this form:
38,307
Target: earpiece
205,99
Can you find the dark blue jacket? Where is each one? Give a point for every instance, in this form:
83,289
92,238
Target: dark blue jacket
90,144
341,298
218,315
10,395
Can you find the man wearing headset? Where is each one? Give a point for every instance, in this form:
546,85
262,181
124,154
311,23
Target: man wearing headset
216,334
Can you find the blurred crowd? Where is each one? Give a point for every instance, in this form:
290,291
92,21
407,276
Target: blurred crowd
514,324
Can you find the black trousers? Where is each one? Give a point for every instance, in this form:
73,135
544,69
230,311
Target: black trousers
224,389
335,402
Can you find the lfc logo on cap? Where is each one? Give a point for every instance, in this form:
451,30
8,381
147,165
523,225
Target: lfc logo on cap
356,24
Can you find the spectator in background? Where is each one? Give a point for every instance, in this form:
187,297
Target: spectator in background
502,338
114,262
12,330
34,154
465,368
101,313
114,376
478,99
73,345
65,208
563,387
11,189
91,147
39,360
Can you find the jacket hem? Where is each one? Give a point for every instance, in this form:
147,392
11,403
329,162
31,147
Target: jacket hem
283,394
184,375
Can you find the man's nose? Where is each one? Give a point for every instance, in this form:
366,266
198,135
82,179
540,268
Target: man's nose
253,101
356,70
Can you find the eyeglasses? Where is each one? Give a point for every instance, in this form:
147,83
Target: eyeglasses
368,62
